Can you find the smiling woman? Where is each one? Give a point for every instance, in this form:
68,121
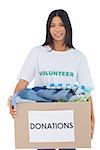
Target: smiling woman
57,29
56,62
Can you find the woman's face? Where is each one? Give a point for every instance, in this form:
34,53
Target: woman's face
57,29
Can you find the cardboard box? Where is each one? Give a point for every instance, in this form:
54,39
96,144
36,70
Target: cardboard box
53,125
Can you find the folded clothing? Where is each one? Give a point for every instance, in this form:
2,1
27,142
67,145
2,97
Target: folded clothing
44,94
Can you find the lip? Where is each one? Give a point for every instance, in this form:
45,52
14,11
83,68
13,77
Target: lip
58,35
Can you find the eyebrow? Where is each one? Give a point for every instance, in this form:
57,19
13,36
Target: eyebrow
55,23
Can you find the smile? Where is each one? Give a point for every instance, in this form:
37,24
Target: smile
59,34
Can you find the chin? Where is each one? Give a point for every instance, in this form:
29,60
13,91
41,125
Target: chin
59,39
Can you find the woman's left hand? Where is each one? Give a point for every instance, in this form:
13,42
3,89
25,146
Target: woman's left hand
92,127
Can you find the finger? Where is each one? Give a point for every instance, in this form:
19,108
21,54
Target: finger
12,107
12,110
92,134
13,116
13,113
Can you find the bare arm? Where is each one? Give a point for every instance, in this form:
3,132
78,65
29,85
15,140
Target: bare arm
92,117
22,84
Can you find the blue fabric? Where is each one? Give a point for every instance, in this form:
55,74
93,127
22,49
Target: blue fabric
42,94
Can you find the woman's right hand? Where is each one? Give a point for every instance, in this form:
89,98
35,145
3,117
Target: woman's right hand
12,109
22,84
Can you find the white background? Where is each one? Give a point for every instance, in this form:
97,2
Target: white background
22,26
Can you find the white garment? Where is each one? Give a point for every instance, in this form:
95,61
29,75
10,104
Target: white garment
48,66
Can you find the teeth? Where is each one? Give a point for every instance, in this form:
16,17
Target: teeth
58,34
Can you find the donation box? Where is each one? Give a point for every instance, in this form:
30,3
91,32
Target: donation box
53,125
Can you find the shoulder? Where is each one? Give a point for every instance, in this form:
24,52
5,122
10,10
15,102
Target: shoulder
39,49
79,54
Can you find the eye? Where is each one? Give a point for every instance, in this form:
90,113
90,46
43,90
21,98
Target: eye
62,24
52,25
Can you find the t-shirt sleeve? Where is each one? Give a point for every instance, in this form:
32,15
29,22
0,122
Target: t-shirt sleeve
28,68
84,76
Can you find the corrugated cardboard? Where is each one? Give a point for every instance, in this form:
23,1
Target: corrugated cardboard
82,124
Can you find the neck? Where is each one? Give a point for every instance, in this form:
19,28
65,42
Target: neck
59,46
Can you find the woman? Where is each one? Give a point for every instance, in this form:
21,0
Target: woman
56,61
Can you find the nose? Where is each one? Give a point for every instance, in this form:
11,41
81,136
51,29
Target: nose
57,29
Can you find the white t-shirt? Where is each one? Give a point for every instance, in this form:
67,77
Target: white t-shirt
48,66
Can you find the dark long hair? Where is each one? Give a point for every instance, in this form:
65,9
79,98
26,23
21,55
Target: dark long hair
66,21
